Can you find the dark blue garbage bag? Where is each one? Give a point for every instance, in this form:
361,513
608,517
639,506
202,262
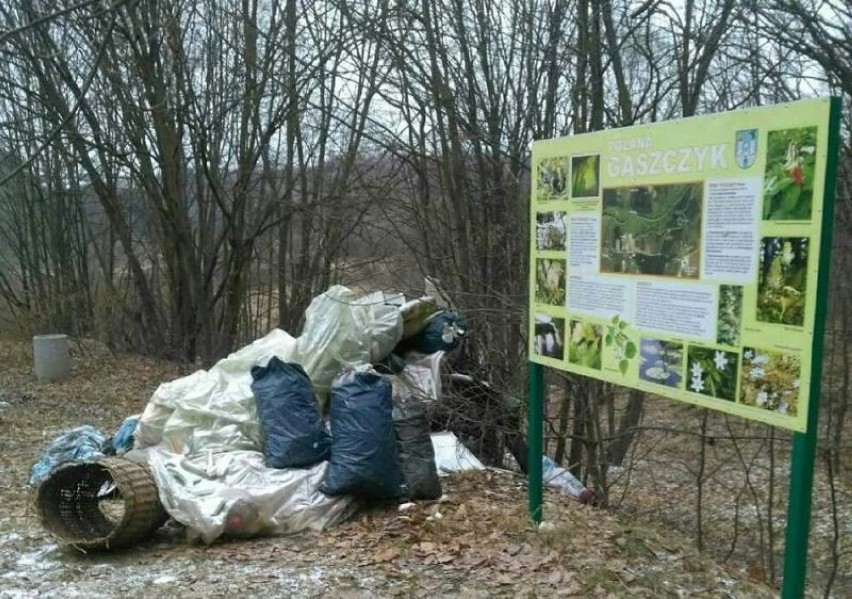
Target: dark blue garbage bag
293,431
364,454
443,332
75,445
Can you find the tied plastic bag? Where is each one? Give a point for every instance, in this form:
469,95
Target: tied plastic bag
364,455
342,331
385,330
336,335
443,332
78,444
423,375
416,314
293,433
416,453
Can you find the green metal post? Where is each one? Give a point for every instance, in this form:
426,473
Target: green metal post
535,437
805,444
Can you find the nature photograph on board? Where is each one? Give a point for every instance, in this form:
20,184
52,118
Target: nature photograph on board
551,231
771,380
730,315
550,281
652,230
554,181
585,176
661,362
623,348
788,183
584,344
712,372
549,336
782,280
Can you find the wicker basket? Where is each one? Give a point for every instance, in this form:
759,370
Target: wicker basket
103,504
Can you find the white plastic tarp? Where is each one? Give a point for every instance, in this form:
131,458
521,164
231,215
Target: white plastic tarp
234,494
212,409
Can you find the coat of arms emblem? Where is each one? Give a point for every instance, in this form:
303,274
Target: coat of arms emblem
745,148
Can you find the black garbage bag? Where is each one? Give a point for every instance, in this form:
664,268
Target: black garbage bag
364,455
444,331
416,453
294,434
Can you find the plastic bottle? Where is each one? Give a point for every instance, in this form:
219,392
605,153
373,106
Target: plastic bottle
559,478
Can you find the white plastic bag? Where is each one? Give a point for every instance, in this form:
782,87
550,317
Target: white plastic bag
337,334
451,455
385,330
423,374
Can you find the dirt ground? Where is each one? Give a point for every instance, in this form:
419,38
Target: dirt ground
476,542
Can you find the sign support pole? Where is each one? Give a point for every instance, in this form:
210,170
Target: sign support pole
805,444
535,438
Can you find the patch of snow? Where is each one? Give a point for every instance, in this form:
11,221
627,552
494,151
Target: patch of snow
69,591
16,594
39,559
318,575
10,538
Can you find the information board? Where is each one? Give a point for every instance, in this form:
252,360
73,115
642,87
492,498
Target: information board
682,258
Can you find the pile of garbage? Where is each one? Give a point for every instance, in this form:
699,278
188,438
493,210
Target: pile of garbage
289,434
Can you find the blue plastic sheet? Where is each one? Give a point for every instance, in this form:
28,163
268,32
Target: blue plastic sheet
78,444
122,440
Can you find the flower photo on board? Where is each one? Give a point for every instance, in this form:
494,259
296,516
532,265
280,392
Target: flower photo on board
771,380
712,372
730,315
623,348
788,187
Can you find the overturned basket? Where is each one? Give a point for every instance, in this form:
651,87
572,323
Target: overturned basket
102,504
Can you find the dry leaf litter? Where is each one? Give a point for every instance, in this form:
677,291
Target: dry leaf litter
475,542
